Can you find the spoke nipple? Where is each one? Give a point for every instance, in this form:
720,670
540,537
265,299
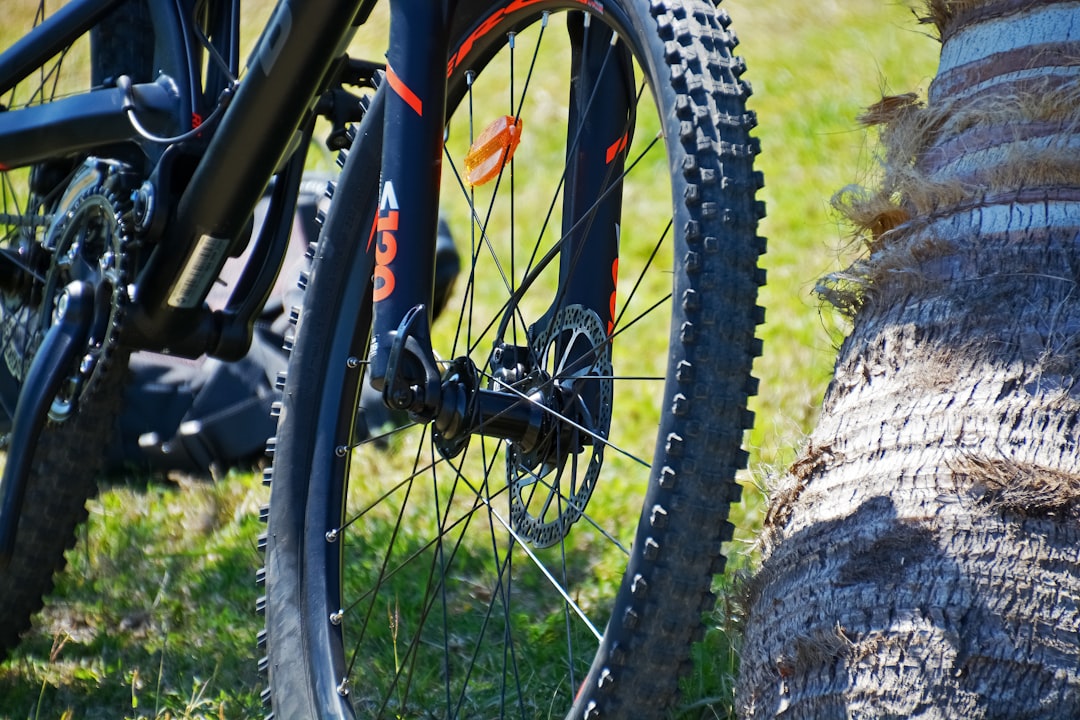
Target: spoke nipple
335,617
353,362
343,687
341,450
332,535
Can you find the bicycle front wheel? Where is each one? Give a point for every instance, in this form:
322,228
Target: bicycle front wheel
564,574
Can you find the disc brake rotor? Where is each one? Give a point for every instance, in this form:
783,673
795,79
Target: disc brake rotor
550,486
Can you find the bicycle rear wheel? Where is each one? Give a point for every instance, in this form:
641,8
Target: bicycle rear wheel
63,220
407,578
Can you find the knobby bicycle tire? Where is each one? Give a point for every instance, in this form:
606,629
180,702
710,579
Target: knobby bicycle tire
380,600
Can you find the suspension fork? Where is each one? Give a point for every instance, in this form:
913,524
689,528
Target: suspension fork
406,223
599,131
401,361
402,364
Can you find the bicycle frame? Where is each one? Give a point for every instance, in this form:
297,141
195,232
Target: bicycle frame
210,183
210,186
198,201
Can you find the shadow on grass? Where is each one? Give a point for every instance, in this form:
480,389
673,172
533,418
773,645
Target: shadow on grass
154,616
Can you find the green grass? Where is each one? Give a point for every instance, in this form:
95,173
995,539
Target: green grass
155,616
814,67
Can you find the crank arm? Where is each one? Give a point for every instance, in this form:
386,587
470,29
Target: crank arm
62,344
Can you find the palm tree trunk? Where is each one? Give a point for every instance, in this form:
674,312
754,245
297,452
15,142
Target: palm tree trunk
921,558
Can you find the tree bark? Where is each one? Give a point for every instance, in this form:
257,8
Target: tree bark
921,558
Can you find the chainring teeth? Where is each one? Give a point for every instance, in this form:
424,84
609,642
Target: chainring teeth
88,241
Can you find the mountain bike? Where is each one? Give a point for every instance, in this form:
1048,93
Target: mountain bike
530,523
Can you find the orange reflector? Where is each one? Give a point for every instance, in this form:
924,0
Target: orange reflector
492,150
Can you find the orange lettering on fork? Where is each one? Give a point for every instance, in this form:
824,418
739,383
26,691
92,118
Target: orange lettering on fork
386,244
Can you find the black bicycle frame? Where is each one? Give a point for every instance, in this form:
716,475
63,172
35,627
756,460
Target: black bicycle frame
209,184
97,118
206,186
257,133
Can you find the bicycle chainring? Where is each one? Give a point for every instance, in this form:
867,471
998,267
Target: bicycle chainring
87,241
